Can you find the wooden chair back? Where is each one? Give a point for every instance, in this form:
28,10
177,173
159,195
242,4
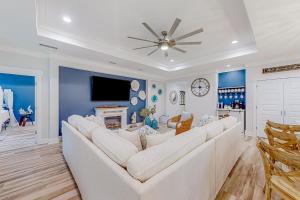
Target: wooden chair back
283,136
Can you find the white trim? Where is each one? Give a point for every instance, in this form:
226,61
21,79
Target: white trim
38,74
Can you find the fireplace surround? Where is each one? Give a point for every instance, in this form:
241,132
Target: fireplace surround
113,117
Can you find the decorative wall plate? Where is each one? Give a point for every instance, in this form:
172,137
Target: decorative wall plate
173,97
153,86
134,101
135,85
142,95
159,91
154,98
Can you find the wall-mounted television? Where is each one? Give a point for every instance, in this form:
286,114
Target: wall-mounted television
108,89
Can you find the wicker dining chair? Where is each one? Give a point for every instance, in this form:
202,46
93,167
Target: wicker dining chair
283,136
285,183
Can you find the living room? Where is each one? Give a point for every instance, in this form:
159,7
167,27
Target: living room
130,98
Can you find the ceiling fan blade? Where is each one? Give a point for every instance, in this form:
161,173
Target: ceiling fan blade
188,43
151,30
189,34
135,38
166,54
174,26
177,49
145,47
152,52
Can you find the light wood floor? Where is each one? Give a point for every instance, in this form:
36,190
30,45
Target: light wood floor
33,171
40,172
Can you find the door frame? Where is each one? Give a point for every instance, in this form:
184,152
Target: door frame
38,76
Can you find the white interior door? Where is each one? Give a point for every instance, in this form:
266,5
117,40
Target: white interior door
270,103
292,101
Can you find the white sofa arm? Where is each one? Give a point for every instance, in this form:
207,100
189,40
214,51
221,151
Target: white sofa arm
96,175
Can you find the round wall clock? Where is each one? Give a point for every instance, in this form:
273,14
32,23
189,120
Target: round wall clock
200,87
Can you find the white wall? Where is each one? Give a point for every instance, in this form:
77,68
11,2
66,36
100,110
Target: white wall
199,106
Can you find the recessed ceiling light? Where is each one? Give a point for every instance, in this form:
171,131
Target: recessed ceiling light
67,19
234,41
228,65
171,60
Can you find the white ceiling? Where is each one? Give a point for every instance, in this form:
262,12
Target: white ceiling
103,26
266,30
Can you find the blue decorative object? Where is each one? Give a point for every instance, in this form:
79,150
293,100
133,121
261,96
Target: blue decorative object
153,86
154,98
159,91
148,121
154,124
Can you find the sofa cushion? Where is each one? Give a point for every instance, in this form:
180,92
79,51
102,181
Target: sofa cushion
114,146
172,124
156,139
213,129
84,126
151,161
228,122
133,137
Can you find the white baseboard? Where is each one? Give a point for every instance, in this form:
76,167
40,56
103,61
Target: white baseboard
54,140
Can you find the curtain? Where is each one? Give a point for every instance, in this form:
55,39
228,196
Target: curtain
9,100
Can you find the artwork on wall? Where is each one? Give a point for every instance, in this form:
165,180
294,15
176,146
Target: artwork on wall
134,101
135,85
182,97
173,97
142,95
154,86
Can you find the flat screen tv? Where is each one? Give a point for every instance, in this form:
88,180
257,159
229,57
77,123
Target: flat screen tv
107,89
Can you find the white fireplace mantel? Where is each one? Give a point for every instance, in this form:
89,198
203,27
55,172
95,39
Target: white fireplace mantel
113,112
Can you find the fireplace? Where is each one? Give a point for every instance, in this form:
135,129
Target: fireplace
113,117
114,122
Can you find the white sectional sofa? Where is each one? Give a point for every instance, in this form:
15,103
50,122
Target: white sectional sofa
198,175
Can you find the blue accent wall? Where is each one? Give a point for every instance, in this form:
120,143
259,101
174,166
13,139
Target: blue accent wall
23,88
75,94
232,79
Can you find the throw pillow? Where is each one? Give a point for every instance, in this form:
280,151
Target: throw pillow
132,137
115,147
146,130
185,116
155,139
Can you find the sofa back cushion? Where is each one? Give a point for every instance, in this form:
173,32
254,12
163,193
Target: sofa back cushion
151,161
228,122
84,126
213,129
156,139
115,147
133,137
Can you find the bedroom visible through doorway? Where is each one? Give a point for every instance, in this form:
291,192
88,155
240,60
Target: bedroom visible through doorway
17,110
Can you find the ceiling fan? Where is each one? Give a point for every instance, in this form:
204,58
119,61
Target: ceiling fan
166,41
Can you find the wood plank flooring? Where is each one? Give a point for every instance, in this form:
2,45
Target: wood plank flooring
34,171
40,172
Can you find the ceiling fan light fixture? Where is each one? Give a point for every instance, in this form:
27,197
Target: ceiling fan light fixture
164,47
